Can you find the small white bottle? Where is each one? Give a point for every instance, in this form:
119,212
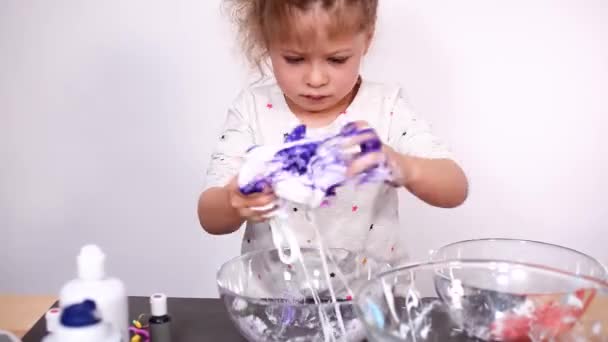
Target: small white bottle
109,294
52,318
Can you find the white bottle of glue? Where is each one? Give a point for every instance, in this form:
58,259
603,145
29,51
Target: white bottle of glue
109,294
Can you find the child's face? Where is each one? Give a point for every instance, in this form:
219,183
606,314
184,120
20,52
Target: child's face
316,78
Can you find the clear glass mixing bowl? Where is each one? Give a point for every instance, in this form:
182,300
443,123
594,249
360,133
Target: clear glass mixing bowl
270,301
472,300
526,251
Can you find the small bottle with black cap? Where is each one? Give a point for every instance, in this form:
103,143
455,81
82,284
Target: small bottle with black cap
159,321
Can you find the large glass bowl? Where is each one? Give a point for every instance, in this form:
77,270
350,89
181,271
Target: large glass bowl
472,300
270,301
526,251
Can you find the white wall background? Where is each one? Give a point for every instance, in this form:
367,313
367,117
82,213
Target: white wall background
109,112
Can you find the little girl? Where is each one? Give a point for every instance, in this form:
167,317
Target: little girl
315,49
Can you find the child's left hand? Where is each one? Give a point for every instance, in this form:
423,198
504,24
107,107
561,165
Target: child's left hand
373,152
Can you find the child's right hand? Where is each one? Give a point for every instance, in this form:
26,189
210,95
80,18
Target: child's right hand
254,207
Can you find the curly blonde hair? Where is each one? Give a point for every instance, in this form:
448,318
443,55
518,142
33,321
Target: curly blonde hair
260,22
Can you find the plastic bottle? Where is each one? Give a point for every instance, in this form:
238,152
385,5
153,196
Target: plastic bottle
109,294
52,318
160,321
81,322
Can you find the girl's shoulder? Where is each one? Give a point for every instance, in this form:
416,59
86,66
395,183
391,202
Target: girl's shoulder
257,94
376,91
376,101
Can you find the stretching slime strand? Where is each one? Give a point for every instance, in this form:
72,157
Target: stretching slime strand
307,171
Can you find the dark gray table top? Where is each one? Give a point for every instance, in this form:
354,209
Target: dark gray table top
198,319
193,320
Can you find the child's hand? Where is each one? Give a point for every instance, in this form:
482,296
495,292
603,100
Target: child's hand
373,153
254,207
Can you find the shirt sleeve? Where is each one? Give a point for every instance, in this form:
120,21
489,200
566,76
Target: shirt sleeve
411,135
232,143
